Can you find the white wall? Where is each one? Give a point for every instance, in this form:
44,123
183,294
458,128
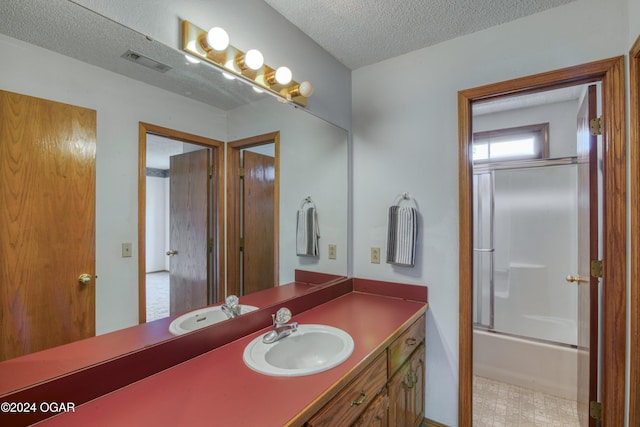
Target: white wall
634,21
405,139
121,103
313,162
156,223
251,24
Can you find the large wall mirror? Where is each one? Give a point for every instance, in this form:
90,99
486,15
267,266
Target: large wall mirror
62,52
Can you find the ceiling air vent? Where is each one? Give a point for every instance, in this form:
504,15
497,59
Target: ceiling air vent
145,61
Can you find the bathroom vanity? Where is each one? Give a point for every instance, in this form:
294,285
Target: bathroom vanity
380,383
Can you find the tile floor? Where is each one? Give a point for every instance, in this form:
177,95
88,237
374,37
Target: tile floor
157,295
497,404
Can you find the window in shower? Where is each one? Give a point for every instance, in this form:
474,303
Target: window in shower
518,143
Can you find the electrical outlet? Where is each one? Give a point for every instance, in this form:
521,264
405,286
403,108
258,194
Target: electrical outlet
375,255
126,250
332,251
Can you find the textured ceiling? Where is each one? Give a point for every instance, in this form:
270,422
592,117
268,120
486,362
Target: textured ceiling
363,32
72,30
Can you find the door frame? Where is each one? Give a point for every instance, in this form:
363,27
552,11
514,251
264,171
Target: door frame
634,188
217,217
233,206
610,72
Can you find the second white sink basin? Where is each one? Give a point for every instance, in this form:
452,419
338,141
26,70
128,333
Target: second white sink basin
202,317
311,349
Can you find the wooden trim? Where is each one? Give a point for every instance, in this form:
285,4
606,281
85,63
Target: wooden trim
634,185
233,206
217,199
426,422
142,221
611,73
540,129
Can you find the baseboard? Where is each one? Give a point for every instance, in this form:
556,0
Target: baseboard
430,423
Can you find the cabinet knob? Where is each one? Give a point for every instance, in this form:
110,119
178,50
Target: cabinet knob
411,341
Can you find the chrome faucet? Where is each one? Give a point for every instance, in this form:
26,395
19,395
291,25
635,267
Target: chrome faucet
281,328
231,307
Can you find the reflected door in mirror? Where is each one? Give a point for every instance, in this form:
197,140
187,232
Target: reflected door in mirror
47,224
189,230
258,219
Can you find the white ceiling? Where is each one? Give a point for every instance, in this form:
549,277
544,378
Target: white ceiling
363,32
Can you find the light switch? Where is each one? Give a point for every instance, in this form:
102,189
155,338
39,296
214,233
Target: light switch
126,250
332,251
375,255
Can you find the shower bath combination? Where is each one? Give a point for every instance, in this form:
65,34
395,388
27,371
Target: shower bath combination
525,241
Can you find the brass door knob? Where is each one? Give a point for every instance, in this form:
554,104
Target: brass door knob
576,279
84,278
172,253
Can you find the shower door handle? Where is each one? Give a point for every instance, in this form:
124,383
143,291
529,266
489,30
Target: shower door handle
576,279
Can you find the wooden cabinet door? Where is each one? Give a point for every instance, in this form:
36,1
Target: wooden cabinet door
377,414
406,392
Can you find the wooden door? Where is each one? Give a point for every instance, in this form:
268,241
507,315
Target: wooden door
189,230
258,216
47,223
587,251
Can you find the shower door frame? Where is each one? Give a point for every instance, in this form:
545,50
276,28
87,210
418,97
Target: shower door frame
610,72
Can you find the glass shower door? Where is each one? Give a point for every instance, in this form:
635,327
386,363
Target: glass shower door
483,249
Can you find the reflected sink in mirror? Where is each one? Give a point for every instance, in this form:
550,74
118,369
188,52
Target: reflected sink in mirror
201,318
309,350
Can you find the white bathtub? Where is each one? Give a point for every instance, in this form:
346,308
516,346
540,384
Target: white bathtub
538,366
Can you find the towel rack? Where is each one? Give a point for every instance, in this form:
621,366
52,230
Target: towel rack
405,197
307,200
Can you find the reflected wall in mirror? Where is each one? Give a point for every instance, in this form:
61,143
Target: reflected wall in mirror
57,50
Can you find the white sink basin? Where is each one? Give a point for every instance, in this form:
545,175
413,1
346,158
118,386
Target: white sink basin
201,318
309,350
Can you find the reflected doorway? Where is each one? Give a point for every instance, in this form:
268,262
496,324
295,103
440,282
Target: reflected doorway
180,231
253,214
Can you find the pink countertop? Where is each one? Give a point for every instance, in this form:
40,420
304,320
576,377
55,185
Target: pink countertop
216,388
34,368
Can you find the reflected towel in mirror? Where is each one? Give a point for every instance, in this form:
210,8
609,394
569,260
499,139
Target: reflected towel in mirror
307,232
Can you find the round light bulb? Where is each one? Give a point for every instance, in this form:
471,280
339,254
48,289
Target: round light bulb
306,89
218,39
254,59
195,47
283,75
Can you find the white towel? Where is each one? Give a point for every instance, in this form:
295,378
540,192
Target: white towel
402,234
307,232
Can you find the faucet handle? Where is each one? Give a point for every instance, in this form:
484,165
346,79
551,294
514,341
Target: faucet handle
282,316
231,301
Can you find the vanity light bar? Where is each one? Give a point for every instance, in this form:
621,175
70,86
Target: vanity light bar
233,61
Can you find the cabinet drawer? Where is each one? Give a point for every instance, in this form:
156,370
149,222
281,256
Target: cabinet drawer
347,406
405,344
